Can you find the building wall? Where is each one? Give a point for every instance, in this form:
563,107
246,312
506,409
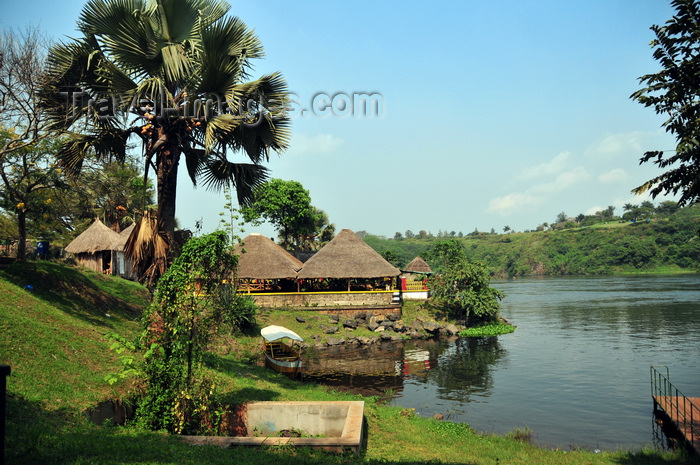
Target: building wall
92,261
323,299
344,303
415,295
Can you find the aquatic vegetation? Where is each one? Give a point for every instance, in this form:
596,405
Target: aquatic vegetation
494,329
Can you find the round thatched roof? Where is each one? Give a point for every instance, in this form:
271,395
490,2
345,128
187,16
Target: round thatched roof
96,238
347,256
418,265
263,259
120,241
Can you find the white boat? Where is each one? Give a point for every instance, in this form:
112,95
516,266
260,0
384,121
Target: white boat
280,355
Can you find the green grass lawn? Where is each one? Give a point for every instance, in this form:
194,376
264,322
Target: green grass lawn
54,337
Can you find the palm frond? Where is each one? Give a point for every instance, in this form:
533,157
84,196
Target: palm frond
220,128
245,177
105,144
227,47
100,17
177,65
175,20
147,248
195,160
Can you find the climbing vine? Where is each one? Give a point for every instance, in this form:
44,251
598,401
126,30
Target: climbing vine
193,299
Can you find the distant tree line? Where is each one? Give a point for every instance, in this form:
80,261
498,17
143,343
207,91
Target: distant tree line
644,238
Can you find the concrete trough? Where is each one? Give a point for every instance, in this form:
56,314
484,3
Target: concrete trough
334,426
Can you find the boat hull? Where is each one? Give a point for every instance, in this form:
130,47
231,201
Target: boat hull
288,367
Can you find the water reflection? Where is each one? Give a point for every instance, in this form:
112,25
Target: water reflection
370,370
458,368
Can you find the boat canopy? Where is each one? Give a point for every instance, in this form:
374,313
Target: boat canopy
272,333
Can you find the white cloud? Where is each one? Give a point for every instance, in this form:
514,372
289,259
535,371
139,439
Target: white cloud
512,202
552,167
320,144
621,143
613,176
563,181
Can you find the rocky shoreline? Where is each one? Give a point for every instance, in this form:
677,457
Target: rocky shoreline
388,327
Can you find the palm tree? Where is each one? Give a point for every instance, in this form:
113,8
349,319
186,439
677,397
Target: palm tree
173,74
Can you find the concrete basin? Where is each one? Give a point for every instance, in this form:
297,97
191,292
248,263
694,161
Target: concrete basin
335,426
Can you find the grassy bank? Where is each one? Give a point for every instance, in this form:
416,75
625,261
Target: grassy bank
53,334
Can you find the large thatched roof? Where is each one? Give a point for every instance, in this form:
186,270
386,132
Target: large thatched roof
418,265
347,256
263,259
96,238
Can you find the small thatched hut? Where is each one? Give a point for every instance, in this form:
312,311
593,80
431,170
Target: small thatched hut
347,257
418,265
93,247
414,280
264,265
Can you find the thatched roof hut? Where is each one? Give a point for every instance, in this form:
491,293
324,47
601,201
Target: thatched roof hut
96,238
347,256
93,247
418,265
263,259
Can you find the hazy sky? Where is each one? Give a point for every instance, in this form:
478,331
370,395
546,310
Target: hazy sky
492,113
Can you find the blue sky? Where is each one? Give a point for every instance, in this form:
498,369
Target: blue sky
493,113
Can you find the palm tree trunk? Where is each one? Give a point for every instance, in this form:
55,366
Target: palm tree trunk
168,161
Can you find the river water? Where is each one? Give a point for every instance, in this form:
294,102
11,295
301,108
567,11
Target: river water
575,372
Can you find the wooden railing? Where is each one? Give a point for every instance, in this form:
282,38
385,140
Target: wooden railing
416,286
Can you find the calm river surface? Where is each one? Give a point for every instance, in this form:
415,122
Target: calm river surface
575,372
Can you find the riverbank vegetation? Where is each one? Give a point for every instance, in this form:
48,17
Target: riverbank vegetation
659,239
53,333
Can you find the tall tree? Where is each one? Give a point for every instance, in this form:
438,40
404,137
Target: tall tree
24,125
174,75
29,179
675,93
22,58
114,191
287,206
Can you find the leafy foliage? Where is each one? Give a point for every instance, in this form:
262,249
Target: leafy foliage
495,329
462,287
29,179
287,206
675,92
193,299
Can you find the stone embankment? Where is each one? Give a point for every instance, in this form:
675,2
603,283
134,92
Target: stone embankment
388,327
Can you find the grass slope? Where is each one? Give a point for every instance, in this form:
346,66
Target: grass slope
53,336
53,327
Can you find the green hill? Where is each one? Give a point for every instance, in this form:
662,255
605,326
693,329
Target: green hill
667,244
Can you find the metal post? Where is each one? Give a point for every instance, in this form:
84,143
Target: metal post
4,373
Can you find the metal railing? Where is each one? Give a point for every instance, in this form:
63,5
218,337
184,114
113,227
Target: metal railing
675,404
